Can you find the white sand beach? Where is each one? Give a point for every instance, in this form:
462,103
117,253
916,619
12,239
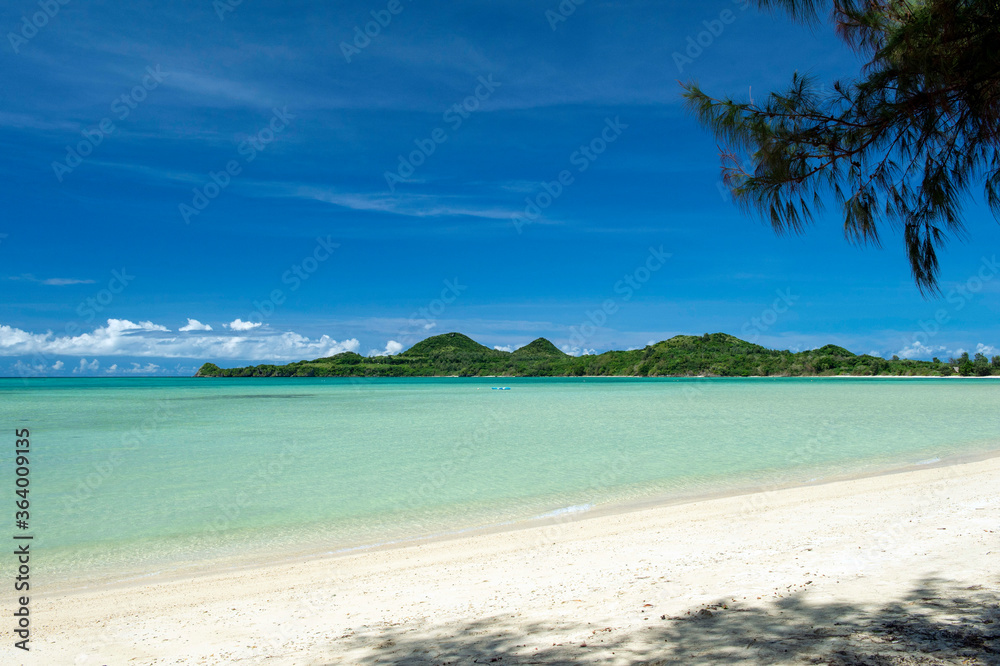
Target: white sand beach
901,568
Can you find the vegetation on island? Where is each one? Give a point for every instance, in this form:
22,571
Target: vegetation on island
712,355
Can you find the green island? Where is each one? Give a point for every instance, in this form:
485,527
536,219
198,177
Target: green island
709,355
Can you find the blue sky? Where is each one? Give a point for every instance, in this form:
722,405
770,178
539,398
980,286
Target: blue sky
227,164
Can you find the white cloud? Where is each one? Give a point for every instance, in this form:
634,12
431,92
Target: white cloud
400,203
52,282
26,121
391,348
86,367
58,365
146,339
24,370
987,350
137,369
919,351
62,282
195,325
505,348
228,91
240,325
578,351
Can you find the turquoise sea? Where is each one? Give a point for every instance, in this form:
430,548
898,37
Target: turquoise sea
139,477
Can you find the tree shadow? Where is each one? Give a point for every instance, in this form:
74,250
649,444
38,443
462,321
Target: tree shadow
935,623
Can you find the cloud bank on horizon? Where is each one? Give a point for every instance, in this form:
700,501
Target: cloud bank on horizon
43,354
120,338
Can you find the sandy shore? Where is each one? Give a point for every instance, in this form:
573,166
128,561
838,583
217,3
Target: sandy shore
895,569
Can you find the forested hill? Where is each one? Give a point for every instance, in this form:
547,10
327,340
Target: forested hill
718,355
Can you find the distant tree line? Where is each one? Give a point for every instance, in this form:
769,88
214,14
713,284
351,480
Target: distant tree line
711,355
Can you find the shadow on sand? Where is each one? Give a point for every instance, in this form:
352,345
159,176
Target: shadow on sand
935,623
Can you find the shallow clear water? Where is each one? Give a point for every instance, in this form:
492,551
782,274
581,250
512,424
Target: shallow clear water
132,477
